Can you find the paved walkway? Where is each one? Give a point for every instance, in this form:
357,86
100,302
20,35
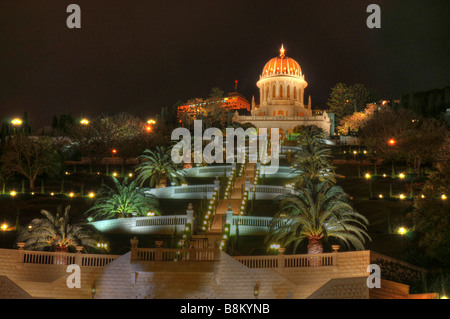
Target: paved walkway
235,199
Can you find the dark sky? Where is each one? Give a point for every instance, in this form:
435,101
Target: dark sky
139,55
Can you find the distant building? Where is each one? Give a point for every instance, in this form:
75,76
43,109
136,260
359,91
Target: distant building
234,102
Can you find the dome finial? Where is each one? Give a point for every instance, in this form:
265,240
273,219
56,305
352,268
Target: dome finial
282,50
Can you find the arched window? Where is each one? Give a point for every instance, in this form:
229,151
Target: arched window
280,112
288,93
295,93
281,91
274,113
273,91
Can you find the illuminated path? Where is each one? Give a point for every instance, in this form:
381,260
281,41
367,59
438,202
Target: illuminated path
235,200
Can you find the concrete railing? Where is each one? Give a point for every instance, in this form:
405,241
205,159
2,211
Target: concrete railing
172,220
144,225
250,225
173,254
288,261
183,192
268,191
56,258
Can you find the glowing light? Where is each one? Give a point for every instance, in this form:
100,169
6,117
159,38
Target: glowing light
367,175
275,246
150,214
392,141
114,151
131,174
71,194
380,196
13,193
91,195
52,194
84,122
384,175
402,196
402,231
422,196
115,174
151,121
4,226
401,175
16,121
444,196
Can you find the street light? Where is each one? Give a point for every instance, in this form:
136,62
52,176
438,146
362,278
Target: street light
16,121
402,231
402,176
84,122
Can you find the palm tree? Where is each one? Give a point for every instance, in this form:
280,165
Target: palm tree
58,233
121,200
158,167
315,213
312,160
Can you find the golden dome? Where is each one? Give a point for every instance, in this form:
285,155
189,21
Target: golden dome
282,65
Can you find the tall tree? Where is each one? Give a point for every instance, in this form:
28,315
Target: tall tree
30,157
319,211
158,167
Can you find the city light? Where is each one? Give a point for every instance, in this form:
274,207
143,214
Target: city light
392,142
4,226
367,175
91,195
16,121
13,193
84,122
444,197
402,231
275,246
401,175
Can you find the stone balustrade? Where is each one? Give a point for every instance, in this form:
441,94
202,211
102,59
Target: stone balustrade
58,258
183,192
174,254
288,261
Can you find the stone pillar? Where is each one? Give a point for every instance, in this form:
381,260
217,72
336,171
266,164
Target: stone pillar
190,215
21,252
281,257
78,257
217,184
134,245
229,219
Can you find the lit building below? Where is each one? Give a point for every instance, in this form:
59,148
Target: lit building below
234,102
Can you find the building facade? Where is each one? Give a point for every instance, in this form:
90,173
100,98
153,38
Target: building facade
282,87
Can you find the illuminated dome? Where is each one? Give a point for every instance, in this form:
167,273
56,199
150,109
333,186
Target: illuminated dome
282,65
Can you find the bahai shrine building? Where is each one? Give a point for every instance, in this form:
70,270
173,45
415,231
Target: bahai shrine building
282,94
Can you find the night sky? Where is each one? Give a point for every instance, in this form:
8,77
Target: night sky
140,55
